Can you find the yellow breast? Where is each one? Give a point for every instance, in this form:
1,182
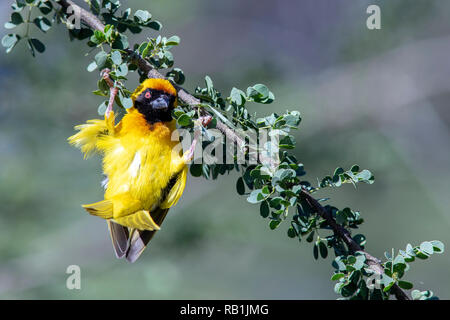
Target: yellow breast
139,161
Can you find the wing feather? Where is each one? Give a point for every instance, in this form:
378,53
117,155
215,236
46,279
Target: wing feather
176,190
119,237
87,139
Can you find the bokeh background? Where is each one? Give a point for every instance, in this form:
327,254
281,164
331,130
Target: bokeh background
377,98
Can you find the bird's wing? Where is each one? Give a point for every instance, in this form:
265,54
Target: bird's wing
90,133
175,189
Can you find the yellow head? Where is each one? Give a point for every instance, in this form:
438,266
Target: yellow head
155,99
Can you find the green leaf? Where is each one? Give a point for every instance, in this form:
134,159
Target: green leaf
99,93
42,23
127,103
178,112
122,70
184,120
287,142
291,232
276,202
173,41
116,57
365,176
316,251
177,75
351,259
98,37
9,41
265,190
426,247
282,175
100,59
102,108
261,89
387,281
338,287
108,31
166,59
9,25
121,42
95,6
45,7
38,45
260,93
416,294
360,239
142,16
409,250
337,276
16,18
18,6
156,25
292,119
438,246
405,285
323,250
359,263
240,187
209,83
310,237
92,66
399,260
196,170
264,209
339,264
255,196
273,224
237,96
144,48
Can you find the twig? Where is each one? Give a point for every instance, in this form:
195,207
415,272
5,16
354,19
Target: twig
374,263
88,18
113,90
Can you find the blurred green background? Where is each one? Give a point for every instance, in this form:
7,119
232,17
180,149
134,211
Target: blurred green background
377,98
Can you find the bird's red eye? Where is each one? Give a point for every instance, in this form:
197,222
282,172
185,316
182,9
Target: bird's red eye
148,95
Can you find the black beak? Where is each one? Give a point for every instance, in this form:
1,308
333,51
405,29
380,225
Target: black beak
162,103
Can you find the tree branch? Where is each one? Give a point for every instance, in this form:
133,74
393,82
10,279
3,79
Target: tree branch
375,264
344,234
85,16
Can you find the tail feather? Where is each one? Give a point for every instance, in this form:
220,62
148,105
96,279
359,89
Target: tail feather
102,209
119,237
128,242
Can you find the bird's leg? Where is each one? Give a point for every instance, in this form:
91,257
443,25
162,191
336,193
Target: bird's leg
203,121
113,90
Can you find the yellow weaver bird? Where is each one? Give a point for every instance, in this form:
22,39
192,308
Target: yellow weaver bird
144,177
